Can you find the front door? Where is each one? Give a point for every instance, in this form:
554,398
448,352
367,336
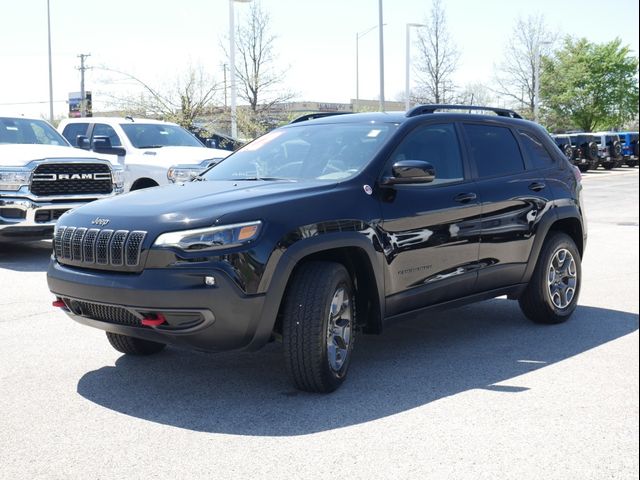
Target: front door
430,231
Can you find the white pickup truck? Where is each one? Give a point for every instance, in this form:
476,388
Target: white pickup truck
152,152
42,176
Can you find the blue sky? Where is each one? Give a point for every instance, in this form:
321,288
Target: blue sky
155,40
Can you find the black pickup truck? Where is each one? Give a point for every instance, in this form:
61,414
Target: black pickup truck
328,227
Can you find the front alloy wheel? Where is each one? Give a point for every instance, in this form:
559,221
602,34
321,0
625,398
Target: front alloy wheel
561,279
318,326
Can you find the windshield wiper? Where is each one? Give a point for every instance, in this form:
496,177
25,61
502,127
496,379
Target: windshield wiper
151,146
267,179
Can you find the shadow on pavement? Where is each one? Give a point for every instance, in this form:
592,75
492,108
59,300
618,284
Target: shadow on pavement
24,256
412,364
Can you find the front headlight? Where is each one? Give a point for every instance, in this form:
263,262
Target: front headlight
117,176
14,178
211,238
186,173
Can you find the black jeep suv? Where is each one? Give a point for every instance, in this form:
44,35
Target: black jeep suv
328,227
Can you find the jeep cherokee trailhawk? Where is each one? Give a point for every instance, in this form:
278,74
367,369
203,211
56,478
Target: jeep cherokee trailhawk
328,227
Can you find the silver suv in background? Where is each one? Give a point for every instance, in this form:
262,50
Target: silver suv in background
152,152
42,176
609,149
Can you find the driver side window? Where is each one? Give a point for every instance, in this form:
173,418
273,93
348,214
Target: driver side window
435,144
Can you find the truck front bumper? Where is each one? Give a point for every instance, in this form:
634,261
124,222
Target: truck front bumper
187,311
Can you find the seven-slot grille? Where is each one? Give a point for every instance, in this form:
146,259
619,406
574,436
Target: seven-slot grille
51,179
108,248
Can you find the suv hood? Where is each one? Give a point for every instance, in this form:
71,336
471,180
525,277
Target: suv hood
191,205
169,156
19,155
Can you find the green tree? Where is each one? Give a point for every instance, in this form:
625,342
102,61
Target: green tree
590,86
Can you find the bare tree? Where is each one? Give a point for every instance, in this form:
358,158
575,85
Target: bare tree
192,95
475,94
259,79
516,76
438,58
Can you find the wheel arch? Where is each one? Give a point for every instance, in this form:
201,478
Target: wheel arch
143,182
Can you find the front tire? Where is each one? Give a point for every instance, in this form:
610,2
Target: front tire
133,346
552,294
318,326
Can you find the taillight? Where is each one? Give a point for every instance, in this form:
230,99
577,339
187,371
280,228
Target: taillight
577,173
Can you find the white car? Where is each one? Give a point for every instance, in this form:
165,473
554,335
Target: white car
42,176
152,152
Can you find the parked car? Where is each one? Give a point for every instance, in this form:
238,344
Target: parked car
325,228
630,148
609,149
216,139
42,176
580,150
152,152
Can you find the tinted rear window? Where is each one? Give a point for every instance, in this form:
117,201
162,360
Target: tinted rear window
535,150
494,150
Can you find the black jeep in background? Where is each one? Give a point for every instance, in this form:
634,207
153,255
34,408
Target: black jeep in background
328,227
580,149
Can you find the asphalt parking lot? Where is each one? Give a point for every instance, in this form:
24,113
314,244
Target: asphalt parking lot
478,392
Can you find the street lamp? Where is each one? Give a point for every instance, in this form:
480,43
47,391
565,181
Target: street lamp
381,39
408,63
358,37
536,79
232,67
50,68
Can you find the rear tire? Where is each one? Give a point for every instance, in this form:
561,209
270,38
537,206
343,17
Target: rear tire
318,326
552,294
583,168
133,346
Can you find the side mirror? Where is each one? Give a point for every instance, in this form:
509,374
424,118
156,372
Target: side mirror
211,143
103,145
407,172
83,142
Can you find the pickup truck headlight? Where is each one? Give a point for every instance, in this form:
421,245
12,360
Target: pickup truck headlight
117,176
186,173
14,178
211,238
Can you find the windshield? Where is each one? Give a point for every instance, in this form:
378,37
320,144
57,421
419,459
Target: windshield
321,152
23,130
157,135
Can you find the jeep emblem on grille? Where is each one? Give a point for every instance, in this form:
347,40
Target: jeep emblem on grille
100,221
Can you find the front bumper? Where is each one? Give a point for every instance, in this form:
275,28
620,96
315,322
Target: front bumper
26,217
219,317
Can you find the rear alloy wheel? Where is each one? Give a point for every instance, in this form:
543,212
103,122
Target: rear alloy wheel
132,345
552,293
318,326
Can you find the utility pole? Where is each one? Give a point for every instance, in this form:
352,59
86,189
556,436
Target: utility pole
224,69
50,69
82,68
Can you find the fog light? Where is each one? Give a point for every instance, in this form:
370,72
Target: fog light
209,281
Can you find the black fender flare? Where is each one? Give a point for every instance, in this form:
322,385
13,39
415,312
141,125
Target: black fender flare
560,213
277,275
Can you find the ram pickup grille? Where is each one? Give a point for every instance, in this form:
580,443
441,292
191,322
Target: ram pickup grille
104,313
53,179
93,246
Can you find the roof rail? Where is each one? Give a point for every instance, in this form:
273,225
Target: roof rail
313,116
422,109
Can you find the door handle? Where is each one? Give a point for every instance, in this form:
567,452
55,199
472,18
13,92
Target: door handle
536,186
465,197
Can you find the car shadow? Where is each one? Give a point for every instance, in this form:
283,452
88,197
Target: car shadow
483,346
22,256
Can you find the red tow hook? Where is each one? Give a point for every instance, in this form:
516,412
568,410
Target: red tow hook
59,304
153,321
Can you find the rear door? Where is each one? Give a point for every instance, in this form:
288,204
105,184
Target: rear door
515,195
430,231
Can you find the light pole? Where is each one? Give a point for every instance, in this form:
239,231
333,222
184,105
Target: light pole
50,67
536,79
232,67
408,63
381,38
358,37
